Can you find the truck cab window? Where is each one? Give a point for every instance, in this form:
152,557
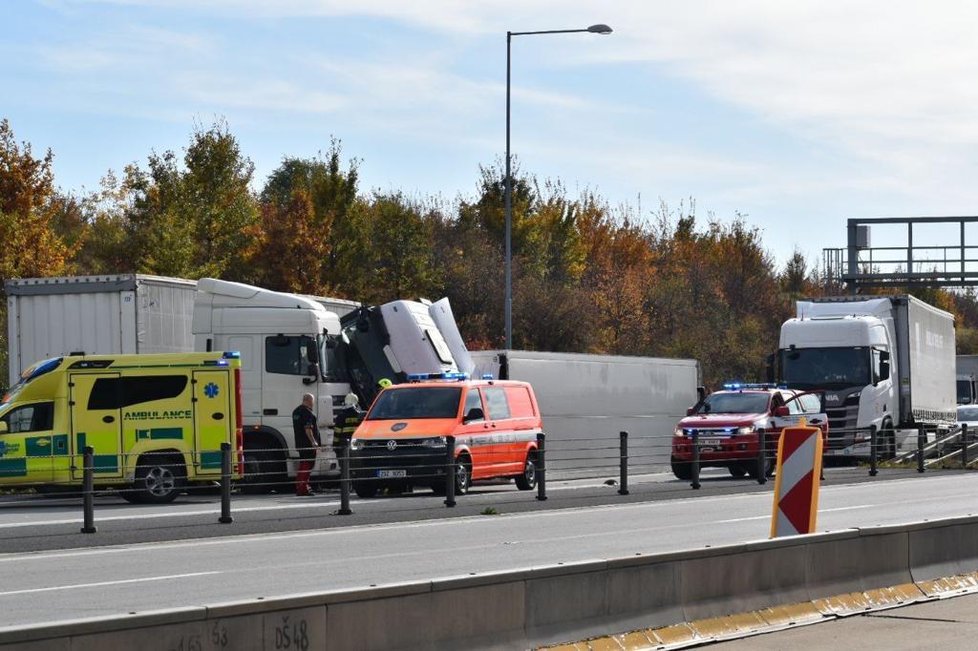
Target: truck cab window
290,355
38,417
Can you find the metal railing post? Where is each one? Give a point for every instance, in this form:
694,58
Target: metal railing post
450,471
541,467
623,463
921,443
225,484
88,489
964,445
345,478
695,466
762,458
873,451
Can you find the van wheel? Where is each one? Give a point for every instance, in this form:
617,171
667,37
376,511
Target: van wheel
528,480
463,475
365,489
159,479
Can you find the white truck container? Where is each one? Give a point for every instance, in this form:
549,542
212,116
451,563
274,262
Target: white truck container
884,361
967,379
586,400
100,315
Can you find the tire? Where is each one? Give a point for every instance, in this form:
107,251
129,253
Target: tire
736,470
528,480
768,469
886,446
263,471
463,475
365,489
159,479
683,470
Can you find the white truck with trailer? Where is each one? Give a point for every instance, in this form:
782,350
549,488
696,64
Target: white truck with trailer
883,361
586,400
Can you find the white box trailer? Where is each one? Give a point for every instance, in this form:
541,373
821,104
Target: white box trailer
586,400
124,313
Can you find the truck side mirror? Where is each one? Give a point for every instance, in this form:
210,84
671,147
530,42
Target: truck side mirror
313,370
884,368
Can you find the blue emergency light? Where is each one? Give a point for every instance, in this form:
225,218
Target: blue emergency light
737,386
448,375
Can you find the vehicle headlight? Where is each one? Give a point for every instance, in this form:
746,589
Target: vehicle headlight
679,432
356,444
744,431
434,442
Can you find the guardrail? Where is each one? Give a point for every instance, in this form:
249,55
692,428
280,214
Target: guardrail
827,575
614,458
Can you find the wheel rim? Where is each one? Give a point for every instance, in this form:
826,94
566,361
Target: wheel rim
461,478
530,472
160,481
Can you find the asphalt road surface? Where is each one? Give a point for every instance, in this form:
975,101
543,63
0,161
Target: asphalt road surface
117,579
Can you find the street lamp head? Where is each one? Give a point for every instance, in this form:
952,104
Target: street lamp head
600,28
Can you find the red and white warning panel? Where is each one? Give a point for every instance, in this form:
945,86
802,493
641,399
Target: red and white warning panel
797,480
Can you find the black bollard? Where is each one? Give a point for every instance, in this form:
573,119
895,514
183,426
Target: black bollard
873,450
225,484
695,466
541,467
450,471
88,490
623,463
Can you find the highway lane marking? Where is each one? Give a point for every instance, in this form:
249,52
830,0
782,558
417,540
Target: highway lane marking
101,584
820,512
481,520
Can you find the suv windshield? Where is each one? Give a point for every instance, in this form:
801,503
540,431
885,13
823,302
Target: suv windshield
416,402
734,403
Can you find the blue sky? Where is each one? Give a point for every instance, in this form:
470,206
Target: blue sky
796,114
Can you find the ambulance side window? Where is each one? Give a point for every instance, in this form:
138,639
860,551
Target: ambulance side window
116,393
38,417
290,355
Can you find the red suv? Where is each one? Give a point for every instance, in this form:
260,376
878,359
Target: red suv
730,423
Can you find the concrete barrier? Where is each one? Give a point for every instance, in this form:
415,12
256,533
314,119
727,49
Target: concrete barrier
568,602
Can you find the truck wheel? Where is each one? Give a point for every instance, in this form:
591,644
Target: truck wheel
683,470
528,480
365,489
159,479
264,470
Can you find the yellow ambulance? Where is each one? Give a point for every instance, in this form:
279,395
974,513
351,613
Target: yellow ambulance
155,422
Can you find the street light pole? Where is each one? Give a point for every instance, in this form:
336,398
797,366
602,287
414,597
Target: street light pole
508,189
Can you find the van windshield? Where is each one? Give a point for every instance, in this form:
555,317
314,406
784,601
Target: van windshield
29,374
416,402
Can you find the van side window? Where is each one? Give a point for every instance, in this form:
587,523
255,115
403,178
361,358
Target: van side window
496,401
472,401
38,417
290,355
116,392
519,402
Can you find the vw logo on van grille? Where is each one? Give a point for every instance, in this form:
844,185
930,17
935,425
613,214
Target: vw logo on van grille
392,445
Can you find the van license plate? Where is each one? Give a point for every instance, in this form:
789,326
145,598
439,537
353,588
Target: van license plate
710,442
391,474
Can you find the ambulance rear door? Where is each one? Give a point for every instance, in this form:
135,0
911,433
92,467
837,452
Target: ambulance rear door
95,402
213,423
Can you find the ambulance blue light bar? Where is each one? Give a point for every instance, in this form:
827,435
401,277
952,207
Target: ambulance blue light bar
448,375
487,376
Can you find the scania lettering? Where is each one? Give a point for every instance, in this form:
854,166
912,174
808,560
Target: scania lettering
155,422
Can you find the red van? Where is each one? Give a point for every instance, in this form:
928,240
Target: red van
402,440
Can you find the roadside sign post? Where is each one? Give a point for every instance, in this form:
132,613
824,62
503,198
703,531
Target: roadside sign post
796,481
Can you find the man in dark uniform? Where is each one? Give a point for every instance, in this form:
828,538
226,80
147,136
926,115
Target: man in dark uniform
307,442
345,423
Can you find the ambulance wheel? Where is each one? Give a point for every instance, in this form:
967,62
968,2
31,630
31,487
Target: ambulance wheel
528,480
159,479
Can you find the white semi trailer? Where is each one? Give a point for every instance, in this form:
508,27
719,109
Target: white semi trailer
883,361
586,400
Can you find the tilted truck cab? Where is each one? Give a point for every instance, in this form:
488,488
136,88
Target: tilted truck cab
155,422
